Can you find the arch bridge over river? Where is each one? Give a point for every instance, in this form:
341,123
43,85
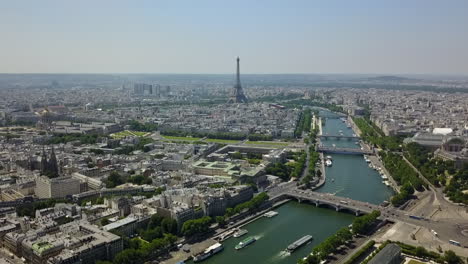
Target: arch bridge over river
338,137
338,150
448,229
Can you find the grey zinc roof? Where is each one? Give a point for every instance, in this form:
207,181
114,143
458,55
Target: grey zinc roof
386,255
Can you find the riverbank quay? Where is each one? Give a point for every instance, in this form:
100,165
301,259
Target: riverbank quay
323,178
197,247
181,255
247,220
376,162
355,128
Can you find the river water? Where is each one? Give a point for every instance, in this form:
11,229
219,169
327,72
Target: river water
352,178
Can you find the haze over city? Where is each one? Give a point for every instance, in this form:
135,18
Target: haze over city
385,37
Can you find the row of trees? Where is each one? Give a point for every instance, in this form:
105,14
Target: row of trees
279,169
373,135
195,227
253,204
431,168
158,237
299,164
437,171
311,173
363,224
157,227
137,251
217,135
290,169
116,179
406,193
403,175
328,246
313,159
303,124
360,225
144,127
457,185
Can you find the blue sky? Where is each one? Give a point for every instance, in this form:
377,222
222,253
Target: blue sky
270,36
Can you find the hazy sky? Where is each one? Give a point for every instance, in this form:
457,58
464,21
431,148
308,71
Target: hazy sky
270,36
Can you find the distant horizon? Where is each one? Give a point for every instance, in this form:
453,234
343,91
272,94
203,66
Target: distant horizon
232,73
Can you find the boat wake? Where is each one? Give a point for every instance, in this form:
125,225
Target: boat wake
257,237
281,255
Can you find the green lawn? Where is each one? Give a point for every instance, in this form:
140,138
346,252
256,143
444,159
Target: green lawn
181,138
138,133
272,143
222,141
127,133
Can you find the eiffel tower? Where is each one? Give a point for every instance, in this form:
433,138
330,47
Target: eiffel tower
237,95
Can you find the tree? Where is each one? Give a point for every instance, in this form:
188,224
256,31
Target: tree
407,188
114,179
169,226
129,256
420,252
104,221
151,234
362,224
236,155
221,221
344,234
155,221
452,258
196,226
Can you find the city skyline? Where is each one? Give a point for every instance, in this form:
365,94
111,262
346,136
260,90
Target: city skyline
421,37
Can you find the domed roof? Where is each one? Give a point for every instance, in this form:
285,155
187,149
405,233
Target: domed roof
454,140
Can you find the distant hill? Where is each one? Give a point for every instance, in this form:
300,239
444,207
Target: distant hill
388,78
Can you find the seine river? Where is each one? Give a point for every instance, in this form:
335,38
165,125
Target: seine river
350,176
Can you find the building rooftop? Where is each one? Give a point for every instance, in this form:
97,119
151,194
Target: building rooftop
386,255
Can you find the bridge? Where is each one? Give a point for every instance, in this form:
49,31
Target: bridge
447,228
332,116
338,137
351,151
331,201
291,191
